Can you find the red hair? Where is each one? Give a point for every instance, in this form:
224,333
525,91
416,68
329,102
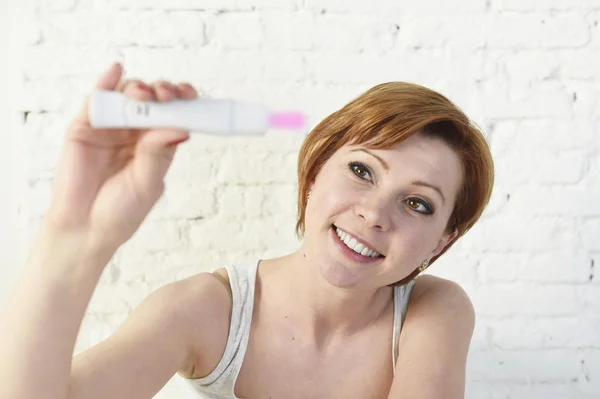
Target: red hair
388,114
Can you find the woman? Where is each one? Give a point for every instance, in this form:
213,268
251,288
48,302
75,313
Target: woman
386,185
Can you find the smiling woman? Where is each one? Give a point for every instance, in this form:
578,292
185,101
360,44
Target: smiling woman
386,185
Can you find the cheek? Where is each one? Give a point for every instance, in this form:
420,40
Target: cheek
415,238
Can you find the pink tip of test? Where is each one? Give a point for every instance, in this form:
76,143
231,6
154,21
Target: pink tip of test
287,120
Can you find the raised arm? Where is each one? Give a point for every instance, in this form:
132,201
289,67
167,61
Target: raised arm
106,184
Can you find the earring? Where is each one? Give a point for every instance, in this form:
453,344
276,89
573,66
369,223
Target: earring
308,195
424,266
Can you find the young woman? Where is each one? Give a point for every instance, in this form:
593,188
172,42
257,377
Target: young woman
386,185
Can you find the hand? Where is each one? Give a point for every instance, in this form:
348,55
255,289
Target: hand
108,180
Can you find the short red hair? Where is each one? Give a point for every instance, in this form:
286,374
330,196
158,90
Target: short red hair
388,114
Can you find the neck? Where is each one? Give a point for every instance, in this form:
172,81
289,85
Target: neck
326,310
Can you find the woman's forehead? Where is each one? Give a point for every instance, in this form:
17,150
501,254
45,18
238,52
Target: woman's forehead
418,158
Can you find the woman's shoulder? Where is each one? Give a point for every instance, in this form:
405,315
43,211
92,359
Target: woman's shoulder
434,298
204,302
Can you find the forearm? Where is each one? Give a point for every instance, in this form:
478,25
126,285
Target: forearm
42,317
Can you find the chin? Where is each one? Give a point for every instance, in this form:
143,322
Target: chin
338,275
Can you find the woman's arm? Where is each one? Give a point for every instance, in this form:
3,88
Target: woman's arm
162,335
106,183
434,342
165,334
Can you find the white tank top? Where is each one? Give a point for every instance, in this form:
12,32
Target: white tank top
220,383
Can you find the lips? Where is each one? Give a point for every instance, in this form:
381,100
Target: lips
357,244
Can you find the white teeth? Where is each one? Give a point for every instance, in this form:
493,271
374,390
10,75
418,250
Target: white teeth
355,245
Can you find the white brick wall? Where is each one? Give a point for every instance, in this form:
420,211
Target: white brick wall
527,71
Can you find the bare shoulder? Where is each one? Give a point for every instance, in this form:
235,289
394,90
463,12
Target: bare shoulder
434,341
203,305
434,297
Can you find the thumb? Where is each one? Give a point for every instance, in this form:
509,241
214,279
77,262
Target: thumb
108,80
153,156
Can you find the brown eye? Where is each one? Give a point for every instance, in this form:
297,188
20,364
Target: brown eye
360,170
418,205
413,204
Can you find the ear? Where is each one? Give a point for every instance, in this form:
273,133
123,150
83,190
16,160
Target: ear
444,241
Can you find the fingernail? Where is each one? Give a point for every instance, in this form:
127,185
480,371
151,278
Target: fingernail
176,142
142,86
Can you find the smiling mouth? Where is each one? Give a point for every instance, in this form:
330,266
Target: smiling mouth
355,245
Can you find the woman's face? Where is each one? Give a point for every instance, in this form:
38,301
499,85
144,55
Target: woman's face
390,205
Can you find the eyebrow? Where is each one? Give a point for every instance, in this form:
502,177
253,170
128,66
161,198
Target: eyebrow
383,163
415,183
424,184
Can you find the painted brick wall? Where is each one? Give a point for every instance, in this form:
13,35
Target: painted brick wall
528,72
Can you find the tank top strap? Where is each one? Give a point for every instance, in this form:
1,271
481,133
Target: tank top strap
401,297
242,280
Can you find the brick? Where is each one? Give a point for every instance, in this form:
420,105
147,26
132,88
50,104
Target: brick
284,67
174,4
126,28
216,234
287,31
523,333
46,130
236,31
518,137
590,234
589,294
431,31
189,203
24,25
564,201
59,5
257,168
578,63
207,68
549,366
192,166
347,33
280,200
591,373
380,7
543,31
532,5
529,65
515,233
156,236
38,196
561,265
460,269
240,202
519,101
269,5
527,299
525,390
540,167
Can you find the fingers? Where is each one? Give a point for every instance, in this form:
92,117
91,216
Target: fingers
154,154
187,91
110,78
161,90
137,90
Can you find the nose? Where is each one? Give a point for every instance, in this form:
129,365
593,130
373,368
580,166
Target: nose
372,210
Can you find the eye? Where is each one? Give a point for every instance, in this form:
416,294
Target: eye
419,205
361,170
